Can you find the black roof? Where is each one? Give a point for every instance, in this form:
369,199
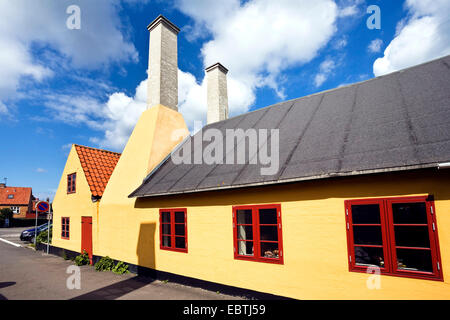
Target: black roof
399,121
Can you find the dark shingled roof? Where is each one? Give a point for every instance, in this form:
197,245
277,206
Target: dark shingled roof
399,121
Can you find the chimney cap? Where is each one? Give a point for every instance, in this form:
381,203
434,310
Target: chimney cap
162,19
217,65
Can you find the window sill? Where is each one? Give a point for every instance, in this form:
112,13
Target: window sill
263,260
403,274
173,249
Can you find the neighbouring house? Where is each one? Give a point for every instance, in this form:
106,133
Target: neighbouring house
75,206
18,199
357,208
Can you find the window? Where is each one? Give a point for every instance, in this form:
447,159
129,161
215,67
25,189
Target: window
398,235
173,229
257,233
71,182
10,196
15,210
65,222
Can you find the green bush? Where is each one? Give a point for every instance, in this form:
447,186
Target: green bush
82,259
42,237
121,268
104,264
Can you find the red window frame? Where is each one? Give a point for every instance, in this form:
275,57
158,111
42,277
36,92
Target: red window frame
172,234
388,237
65,232
71,183
256,234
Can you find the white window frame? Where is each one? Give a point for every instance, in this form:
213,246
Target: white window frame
15,210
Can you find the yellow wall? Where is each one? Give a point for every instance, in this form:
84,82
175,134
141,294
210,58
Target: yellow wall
313,217
314,237
75,206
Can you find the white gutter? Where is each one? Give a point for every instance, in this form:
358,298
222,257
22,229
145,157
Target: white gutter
445,165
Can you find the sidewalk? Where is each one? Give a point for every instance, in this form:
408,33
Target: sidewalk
31,275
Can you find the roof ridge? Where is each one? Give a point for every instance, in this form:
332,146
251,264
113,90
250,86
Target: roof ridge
98,149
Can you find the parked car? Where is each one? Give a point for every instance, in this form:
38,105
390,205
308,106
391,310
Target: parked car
28,235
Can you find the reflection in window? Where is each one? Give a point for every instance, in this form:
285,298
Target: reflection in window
257,232
173,229
396,234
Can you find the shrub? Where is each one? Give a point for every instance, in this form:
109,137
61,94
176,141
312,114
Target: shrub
121,268
42,237
82,259
104,264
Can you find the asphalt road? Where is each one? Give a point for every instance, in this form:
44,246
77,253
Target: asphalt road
13,234
29,275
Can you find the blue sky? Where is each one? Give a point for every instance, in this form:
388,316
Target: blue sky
88,86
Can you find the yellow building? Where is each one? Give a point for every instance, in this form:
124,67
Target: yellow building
339,195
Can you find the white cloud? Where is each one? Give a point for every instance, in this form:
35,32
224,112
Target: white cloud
40,170
348,11
422,37
375,45
256,41
325,69
27,24
120,115
340,43
3,108
349,8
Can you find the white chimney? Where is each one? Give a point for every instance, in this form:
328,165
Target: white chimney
217,93
163,64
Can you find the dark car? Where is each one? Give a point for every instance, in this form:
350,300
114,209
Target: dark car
28,235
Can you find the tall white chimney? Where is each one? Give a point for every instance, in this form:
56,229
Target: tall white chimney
163,64
217,93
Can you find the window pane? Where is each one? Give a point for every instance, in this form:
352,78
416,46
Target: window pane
415,213
269,250
165,228
245,248
179,217
180,242
179,230
415,260
166,241
412,237
369,256
245,232
367,235
165,217
268,216
366,213
244,216
268,233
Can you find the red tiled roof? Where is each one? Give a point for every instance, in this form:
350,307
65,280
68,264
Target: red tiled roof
20,196
98,165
